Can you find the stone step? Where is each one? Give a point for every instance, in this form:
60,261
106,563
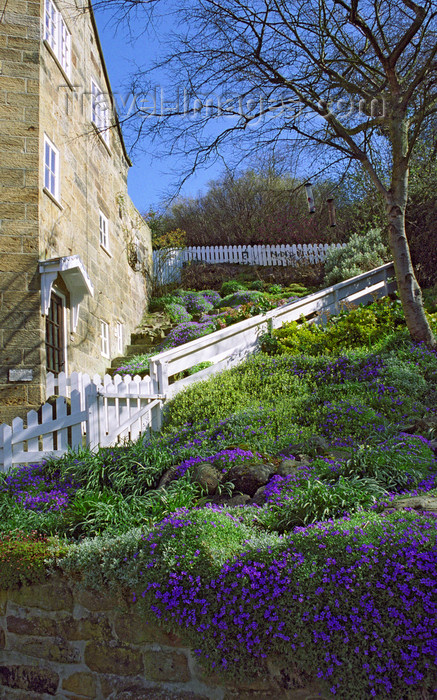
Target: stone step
138,349
149,337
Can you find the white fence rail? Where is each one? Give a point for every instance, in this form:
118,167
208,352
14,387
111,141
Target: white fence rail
167,264
82,412
95,412
229,346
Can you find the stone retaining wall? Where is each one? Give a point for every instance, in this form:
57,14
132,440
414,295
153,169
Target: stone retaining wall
57,641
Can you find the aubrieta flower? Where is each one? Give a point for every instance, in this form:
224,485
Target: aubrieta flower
35,490
357,600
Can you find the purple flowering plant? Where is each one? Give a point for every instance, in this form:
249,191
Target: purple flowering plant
34,489
350,600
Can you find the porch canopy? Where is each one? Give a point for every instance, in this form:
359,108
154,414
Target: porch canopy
75,277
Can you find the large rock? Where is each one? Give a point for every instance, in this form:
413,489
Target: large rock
41,680
112,658
420,503
167,477
166,666
288,467
247,478
259,497
207,476
239,500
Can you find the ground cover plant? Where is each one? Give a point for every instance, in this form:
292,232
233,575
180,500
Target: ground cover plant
323,570
198,313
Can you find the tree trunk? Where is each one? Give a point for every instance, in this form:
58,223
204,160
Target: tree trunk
408,287
396,203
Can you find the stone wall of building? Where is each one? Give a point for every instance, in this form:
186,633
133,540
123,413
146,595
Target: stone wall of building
21,330
57,640
37,99
93,178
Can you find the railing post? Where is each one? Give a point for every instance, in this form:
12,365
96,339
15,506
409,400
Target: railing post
385,283
162,372
92,422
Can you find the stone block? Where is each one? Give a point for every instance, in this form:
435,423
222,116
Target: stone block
32,626
13,84
16,42
30,244
54,595
14,177
170,666
47,648
2,639
11,357
136,630
63,625
19,194
94,626
41,680
82,683
11,144
3,602
17,228
8,244
32,211
96,602
12,395
17,262
12,211
113,658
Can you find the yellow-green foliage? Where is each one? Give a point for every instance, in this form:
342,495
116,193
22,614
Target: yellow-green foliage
352,328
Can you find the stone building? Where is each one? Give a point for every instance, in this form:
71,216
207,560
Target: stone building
72,245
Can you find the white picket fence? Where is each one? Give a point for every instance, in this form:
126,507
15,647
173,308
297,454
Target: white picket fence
167,263
229,346
87,412
95,412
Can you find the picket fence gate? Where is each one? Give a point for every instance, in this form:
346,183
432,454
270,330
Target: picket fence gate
167,263
95,412
82,412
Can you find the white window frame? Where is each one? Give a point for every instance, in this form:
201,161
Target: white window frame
119,333
103,231
57,36
100,111
51,168
104,339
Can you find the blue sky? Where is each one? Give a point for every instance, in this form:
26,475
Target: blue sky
149,179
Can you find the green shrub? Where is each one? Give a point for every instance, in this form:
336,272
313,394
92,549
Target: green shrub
23,557
256,284
355,327
238,298
361,253
231,286
178,313
160,303
94,513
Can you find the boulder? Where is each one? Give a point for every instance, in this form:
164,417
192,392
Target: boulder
420,503
247,478
288,466
168,476
259,497
207,476
239,500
